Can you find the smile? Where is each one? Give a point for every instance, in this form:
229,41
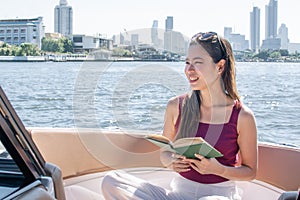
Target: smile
193,79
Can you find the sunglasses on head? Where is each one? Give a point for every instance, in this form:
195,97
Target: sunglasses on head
213,36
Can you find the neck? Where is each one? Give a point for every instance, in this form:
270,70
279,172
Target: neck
214,96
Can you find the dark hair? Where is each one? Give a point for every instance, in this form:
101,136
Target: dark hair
216,52
190,110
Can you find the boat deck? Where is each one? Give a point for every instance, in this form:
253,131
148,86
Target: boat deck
160,176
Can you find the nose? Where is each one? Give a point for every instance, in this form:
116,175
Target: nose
190,67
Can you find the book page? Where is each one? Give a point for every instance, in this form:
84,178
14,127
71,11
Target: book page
159,138
187,141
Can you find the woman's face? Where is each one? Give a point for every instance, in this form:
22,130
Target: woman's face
200,69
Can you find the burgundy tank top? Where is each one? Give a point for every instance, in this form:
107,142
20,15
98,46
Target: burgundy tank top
223,137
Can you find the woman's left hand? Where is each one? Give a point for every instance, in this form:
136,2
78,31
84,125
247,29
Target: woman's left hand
206,166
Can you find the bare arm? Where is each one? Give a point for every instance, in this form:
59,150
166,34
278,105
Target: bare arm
247,141
171,115
174,162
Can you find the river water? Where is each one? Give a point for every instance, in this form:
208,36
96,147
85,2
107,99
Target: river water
133,95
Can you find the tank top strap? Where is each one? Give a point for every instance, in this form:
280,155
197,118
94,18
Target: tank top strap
235,112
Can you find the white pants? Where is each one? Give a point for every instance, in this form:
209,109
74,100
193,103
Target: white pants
118,185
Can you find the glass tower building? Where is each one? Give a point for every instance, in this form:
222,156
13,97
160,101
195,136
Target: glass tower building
63,18
255,29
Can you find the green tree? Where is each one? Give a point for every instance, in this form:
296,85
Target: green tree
7,51
67,45
284,52
2,51
264,54
52,45
28,49
275,55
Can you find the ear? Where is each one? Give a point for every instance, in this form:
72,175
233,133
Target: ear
221,66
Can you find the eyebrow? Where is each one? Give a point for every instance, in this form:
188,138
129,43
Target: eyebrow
195,58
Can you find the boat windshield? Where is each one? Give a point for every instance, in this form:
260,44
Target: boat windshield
11,177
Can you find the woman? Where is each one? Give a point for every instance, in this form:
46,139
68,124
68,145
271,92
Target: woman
212,110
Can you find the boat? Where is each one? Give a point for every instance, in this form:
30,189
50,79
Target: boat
51,163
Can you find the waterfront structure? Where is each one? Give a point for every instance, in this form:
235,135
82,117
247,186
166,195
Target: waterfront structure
237,41
63,18
173,41
294,48
271,44
255,29
134,40
54,35
85,43
227,32
18,31
283,35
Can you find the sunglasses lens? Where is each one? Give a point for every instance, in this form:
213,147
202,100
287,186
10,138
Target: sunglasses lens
211,36
205,36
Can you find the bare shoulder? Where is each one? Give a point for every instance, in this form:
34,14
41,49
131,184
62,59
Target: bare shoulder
173,104
171,116
246,113
246,118
173,101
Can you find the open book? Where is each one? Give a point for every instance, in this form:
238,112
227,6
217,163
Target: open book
185,146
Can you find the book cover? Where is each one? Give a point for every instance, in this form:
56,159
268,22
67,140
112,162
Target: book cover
186,146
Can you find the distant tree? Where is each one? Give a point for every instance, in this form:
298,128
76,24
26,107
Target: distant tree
14,51
264,54
5,45
28,49
284,52
52,45
67,45
7,51
275,55
118,51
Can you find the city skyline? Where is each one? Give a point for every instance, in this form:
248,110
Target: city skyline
91,17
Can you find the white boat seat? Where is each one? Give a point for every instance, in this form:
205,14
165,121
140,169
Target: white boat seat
160,176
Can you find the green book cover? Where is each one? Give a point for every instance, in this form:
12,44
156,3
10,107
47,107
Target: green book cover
186,146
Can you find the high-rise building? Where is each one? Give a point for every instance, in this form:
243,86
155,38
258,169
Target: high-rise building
63,18
283,35
154,33
237,41
173,41
122,39
271,19
169,23
255,29
227,32
168,33
18,31
135,40
271,41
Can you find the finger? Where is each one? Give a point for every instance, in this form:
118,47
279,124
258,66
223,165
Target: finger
177,156
200,157
181,168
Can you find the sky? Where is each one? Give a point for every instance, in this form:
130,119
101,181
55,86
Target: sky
109,17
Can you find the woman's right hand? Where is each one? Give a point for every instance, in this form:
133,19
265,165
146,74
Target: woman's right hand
175,161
